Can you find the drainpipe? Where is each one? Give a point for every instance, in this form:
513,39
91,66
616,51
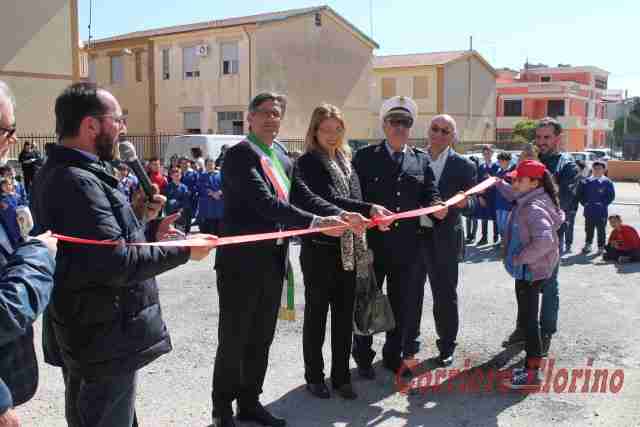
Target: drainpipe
250,67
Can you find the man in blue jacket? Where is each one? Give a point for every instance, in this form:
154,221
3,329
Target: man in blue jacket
26,281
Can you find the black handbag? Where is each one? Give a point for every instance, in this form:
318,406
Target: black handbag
372,310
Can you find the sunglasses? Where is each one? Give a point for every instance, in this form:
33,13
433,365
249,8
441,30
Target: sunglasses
405,123
8,132
436,129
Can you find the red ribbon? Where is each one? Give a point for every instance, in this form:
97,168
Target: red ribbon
232,240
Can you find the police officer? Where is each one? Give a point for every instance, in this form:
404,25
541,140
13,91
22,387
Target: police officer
398,177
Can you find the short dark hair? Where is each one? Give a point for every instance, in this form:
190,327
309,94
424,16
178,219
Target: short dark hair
4,169
581,164
196,152
76,102
504,156
154,159
268,96
615,216
487,147
550,121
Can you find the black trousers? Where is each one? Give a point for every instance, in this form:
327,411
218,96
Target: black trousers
612,254
442,270
186,218
210,226
327,285
593,224
528,298
249,301
405,284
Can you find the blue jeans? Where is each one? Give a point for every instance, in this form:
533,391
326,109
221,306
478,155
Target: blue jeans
550,305
565,233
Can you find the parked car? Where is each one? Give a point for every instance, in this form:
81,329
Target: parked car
602,153
587,157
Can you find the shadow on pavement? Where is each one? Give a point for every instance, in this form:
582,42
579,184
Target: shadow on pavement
456,401
474,254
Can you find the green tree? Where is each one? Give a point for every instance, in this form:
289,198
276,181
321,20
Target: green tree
525,130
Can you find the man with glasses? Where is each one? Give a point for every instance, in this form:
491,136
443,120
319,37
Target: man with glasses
26,282
565,170
398,177
256,184
104,322
445,239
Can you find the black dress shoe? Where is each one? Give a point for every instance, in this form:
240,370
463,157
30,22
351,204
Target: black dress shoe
444,360
518,336
319,390
223,421
392,366
346,391
482,242
367,372
260,415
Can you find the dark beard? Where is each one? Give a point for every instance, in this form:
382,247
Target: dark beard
105,147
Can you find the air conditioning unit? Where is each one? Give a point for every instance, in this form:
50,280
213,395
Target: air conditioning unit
202,50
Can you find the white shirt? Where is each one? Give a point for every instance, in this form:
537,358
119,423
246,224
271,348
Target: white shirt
391,150
437,165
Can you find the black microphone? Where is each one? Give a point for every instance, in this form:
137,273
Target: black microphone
128,155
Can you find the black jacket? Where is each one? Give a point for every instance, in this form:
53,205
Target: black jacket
410,186
104,318
459,174
251,206
313,190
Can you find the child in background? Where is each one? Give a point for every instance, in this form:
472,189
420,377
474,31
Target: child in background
177,194
8,172
624,242
8,211
210,202
596,193
531,255
503,206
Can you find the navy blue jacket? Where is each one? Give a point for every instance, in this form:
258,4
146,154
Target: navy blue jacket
178,197
596,194
502,204
105,317
209,207
563,167
398,188
26,281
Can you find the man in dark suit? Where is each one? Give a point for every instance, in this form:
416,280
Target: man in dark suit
250,276
444,239
399,178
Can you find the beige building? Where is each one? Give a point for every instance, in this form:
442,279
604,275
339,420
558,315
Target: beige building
38,57
200,77
461,84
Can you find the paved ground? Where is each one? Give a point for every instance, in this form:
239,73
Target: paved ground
599,320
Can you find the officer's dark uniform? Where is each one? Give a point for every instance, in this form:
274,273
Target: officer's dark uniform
398,253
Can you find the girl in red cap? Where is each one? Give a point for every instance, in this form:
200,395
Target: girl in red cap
531,254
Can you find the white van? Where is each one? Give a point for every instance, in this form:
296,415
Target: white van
210,145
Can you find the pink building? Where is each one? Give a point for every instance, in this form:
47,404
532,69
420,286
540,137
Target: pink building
572,95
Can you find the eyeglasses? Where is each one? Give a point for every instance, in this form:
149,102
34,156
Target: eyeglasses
8,132
405,123
276,114
436,129
121,120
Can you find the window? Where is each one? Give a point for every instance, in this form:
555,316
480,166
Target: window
601,83
504,136
92,70
191,122
388,87
513,107
318,19
420,87
138,59
166,74
545,79
230,62
190,63
555,108
117,69
230,123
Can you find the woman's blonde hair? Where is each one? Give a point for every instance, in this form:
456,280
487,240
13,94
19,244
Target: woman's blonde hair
320,114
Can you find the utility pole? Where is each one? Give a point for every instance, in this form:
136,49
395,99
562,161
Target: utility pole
371,18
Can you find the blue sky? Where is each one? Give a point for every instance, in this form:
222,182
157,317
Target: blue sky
587,32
